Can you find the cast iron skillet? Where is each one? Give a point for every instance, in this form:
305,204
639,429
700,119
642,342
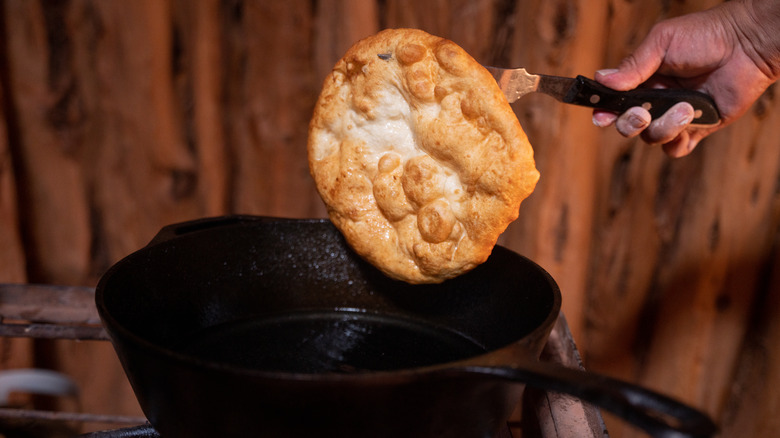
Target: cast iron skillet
249,326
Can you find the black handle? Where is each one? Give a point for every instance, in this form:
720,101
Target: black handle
656,414
587,92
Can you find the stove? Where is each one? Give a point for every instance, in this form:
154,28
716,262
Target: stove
63,312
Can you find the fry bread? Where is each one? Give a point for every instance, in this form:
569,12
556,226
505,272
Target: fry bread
417,155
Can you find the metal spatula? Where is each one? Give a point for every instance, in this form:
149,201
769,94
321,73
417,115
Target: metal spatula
517,82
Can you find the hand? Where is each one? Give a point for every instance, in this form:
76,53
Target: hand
731,52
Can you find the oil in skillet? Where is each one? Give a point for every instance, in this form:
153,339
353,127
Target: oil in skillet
328,342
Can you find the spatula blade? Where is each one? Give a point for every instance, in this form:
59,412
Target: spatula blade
514,82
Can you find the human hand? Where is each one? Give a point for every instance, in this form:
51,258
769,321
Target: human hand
731,52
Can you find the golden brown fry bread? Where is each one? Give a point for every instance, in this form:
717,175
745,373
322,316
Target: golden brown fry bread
418,156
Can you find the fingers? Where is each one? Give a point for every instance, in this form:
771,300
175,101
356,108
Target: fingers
667,127
680,146
629,124
643,63
638,67
632,122
602,118
670,130
622,79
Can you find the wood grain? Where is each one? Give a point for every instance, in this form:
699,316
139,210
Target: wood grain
14,353
118,118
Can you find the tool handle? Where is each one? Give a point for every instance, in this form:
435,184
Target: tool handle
587,92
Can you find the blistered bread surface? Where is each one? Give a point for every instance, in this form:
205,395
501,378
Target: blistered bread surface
417,155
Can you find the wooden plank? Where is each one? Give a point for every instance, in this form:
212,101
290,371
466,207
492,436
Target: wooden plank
753,401
198,83
561,415
554,227
47,303
49,312
723,229
623,259
130,79
12,257
121,117
14,353
49,172
681,248
100,156
270,90
338,25
472,24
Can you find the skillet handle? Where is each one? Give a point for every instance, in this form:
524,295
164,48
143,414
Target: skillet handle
656,414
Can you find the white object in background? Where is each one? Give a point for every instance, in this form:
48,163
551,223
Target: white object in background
35,381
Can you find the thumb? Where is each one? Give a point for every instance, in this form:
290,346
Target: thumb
637,67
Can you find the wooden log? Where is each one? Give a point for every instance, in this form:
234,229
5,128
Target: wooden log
338,25
711,275
121,117
198,83
625,255
469,23
555,223
12,256
270,93
681,247
14,353
146,174
751,409
56,214
102,163
101,144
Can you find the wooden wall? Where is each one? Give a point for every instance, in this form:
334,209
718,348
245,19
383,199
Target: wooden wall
118,117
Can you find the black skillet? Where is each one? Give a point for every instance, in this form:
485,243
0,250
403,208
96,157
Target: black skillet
247,326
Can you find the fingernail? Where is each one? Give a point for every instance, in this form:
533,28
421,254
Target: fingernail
683,119
606,71
636,122
602,119
683,115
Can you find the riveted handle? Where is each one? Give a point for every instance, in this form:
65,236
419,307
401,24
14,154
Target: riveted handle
587,92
